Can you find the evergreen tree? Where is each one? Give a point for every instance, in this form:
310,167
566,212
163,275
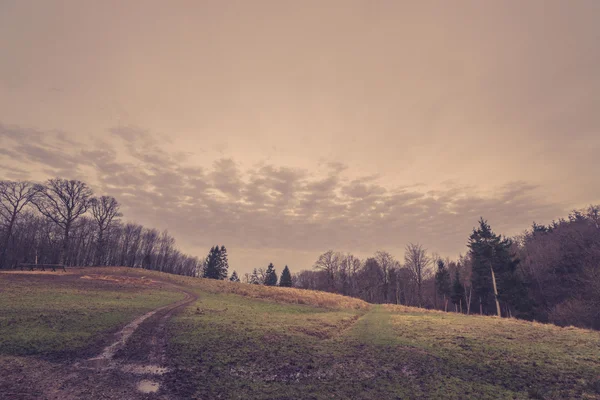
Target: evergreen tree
223,263
286,278
442,282
254,280
492,258
234,277
212,270
270,276
458,292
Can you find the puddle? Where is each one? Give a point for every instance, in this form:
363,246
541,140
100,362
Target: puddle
147,386
144,369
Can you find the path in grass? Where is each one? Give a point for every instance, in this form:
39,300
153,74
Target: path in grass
110,375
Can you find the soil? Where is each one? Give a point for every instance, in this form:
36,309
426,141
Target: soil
133,366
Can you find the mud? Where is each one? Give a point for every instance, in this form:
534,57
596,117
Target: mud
116,372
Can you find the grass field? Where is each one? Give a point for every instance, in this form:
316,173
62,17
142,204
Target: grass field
70,315
247,342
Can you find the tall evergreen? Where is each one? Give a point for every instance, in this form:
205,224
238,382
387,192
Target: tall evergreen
286,278
223,263
491,258
234,277
270,276
212,269
216,264
442,282
458,292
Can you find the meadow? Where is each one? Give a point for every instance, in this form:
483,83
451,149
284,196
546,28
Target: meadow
240,341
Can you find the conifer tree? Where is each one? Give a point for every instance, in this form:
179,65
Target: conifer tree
495,271
254,280
442,282
270,276
286,278
234,277
212,269
223,263
458,293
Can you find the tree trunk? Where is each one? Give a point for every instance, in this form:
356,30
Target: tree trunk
7,240
480,307
65,248
469,300
495,292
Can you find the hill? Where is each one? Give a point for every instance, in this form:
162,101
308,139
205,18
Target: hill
126,333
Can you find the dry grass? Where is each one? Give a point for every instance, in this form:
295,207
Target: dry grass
273,293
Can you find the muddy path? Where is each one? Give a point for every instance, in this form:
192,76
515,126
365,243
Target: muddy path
133,366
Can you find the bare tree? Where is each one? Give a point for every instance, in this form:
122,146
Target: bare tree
330,263
388,265
418,263
106,210
14,196
63,201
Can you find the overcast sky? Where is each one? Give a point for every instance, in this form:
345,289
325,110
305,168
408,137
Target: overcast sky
285,128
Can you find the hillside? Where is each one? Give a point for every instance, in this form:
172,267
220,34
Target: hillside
213,339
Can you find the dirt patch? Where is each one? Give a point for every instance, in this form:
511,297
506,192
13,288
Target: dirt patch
106,375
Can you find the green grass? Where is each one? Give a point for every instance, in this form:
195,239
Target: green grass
40,315
248,342
234,347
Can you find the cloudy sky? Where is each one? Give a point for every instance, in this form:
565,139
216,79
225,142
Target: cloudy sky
284,128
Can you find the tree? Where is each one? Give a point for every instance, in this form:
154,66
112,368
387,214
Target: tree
105,210
14,196
234,277
329,262
216,265
254,279
270,276
223,263
213,260
416,260
495,277
286,278
63,202
442,282
458,292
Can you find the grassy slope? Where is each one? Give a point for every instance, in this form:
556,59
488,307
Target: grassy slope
239,347
243,341
43,315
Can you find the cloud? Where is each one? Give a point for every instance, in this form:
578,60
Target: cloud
277,207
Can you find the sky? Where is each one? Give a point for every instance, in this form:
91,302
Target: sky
282,129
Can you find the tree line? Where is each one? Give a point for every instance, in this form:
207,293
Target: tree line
62,222
268,277
548,274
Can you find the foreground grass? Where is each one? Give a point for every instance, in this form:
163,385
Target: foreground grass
243,341
45,314
229,346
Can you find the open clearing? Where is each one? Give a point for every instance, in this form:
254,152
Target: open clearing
62,336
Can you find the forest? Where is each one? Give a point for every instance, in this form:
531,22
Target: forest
550,273
547,274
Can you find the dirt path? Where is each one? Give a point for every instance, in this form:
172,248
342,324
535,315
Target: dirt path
132,367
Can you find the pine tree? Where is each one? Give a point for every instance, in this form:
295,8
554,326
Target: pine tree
270,276
213,264
442,282
286,278
493,261
254,278
458,292
234,277
223,263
